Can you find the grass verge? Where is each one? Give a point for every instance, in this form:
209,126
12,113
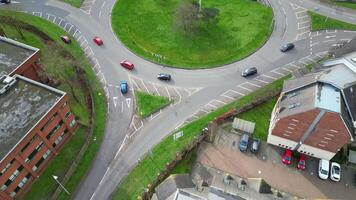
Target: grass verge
185,166
351,5
158,33
148,104
99,110
75,3
145,172
260,115
320,22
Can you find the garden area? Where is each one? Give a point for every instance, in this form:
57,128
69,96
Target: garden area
187,34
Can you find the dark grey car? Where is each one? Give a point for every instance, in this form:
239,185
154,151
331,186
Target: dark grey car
255,145
249,71
244,142
287,47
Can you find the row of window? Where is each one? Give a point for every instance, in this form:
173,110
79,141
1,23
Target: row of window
307,153
18,187
284,146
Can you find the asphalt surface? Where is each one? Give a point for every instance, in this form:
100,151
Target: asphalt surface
121,149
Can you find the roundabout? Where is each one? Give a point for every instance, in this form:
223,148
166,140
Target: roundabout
185,34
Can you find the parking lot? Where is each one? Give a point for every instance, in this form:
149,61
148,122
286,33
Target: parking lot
225,156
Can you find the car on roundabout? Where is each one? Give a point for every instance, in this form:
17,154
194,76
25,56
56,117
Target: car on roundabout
97,40
164,76
249,71
127,64
287,47
124,87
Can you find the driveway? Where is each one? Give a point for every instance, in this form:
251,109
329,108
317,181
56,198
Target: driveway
224,155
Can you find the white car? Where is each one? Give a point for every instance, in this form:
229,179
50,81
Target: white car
335,172
323,170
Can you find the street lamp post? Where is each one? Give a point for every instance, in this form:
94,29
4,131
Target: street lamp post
62,186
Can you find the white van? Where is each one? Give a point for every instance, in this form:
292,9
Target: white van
323,170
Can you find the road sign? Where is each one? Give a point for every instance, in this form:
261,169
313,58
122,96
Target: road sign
177,135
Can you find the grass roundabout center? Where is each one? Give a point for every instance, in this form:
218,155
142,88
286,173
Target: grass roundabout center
192,34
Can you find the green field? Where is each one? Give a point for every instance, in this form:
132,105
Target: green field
156,30
164,152
44,187
261,115
75,3
148,104
320,22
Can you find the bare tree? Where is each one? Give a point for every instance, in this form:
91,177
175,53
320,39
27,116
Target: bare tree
187,17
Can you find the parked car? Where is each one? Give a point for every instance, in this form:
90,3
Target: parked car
323,170
124,87
97,40
335,172
128,65
249,71
287,157
65,39
301,162
244,142
287,47
164,76
255,145
5,1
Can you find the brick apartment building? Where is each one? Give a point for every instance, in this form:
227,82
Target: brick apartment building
35,120
316,114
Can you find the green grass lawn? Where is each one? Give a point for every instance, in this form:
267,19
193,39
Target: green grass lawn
75,3
261,115
149,27
320,22
164,152
351,5
44,187
185,166
148,104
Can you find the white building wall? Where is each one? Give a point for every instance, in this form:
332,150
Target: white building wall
281,142
316,152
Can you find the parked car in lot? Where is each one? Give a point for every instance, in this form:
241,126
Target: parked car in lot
97,40
164,76
244,142
335,172
287,157
249,71
301,162
323,170
287,47
124,87
126,64
65,39
255,145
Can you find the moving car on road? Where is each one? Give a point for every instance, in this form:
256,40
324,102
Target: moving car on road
301,162
65,39
249,71
335,171
323,170
97,40
255,145
287,157
124,87
287,47
128,65
5,1
244,142
164,76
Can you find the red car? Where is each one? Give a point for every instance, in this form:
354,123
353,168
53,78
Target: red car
98,41
301,162
65,39
127,64
287,157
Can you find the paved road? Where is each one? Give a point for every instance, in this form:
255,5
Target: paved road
114,159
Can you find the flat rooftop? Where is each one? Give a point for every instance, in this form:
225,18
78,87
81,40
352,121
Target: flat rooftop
13,54
22,106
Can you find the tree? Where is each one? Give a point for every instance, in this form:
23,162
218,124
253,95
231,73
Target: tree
187,17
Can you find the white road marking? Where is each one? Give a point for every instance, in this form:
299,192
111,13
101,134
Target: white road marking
169,95
102,6
326,41
273,71
224,95
253,84
128,102
244,88
261,80
122,106
269,76
180,97
233,91
115,101
219,101
144,86
285,68
154,86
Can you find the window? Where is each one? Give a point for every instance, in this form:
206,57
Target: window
34,152
54,130
6,167
3,187
12,194
67,114
294,105
48,122
72,123
39,162
293,94
48,152
59,139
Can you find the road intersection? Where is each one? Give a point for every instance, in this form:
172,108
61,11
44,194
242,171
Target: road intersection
126,136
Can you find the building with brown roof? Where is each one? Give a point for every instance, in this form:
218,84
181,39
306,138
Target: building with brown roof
315,114
35,119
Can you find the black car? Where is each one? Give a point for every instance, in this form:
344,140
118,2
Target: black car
163,76
5,1
255,145
249,71
287,47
